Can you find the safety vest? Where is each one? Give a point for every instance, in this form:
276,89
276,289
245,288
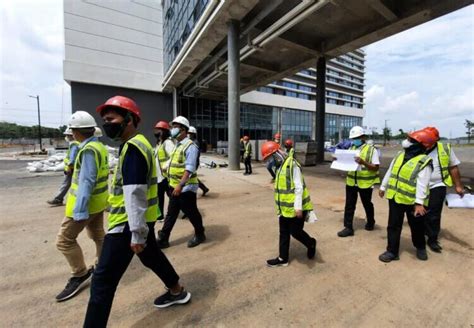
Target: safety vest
364,178
403,178
444,154
118,213
177,165
248,149
162,155
66,160
285,190
98,198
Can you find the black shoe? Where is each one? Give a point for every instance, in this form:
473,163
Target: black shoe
388,257
73,286
346,232
205,191
196,240
435,246
369,226
421,254
55,202
168,299
246,173
162,240
276,262
312,249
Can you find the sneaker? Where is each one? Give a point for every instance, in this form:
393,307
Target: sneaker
421,254
346,232
162,240
55,202
246,173
435,246
312,249
369,226
196,240
277,262
73,286
205,191
168,299
388,257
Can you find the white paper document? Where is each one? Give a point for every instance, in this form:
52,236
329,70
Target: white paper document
454,200
345,160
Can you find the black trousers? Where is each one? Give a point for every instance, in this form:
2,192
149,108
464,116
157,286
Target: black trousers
186,202
351,201
396,215
248,164
114,260
292,227
433,217
162,190
202,186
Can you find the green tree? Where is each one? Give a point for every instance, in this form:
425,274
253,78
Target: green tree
470,129
387,134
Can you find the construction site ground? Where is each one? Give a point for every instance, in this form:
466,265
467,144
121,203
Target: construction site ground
345,286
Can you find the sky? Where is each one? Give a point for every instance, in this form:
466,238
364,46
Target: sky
420,77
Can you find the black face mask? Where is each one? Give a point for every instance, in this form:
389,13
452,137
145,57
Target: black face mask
114,130
413,151
158,136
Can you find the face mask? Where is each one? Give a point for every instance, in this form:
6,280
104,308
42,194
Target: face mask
158,136
67,139
114,130
174,132
406,143
357,142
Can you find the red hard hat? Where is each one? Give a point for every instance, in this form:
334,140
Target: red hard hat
277,136
162,125
288,143
426,137
121,102
246,138
433,130
269,148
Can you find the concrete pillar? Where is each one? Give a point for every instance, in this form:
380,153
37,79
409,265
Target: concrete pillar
233,85
320,107
175,102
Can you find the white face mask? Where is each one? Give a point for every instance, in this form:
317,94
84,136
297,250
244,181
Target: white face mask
66,138
406,143
174,132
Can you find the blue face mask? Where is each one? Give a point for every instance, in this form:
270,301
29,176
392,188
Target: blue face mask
357,142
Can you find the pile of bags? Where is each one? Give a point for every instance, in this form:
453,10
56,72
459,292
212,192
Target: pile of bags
53,163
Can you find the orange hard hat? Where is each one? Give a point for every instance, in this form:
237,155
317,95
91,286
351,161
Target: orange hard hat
123,103
434,131
425,137
277,136
269,148
288,143
246,138
162,125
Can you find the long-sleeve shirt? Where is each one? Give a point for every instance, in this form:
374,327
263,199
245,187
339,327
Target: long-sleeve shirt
191,157
168,146
436,178
73,153
87,181
298,181
422,182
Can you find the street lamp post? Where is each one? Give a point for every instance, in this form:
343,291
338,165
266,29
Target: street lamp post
385,133
39,121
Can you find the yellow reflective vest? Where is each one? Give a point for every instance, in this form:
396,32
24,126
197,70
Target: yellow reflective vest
444,154
364,178
177,165
403,178
98,199
285,190
66,160
117,211
162,156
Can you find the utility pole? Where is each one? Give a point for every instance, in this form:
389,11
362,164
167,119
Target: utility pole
385,134
39,121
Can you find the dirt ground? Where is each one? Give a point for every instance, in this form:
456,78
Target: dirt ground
345,286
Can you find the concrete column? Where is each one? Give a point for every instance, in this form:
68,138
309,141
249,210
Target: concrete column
320,107
233,85
175,103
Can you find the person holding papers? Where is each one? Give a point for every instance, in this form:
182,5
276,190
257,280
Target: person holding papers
361,182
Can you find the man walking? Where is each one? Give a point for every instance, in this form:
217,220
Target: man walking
361,182
133,212
71,153
86,202
247,156
183,185
192,134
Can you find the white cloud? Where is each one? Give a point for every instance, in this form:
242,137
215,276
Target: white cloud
399,103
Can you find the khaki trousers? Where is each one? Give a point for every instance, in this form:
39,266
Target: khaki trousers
66,241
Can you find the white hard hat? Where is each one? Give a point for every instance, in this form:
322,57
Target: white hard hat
98,132
81,119
181,120
192,129
68,132
356,132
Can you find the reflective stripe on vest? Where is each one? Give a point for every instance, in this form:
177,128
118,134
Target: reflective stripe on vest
364,178
99,194
444,154
177,165
162,156
403,178
117,211
285,190
68,153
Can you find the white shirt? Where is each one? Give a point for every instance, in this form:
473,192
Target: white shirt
422,182
436,177
168,145
298,181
